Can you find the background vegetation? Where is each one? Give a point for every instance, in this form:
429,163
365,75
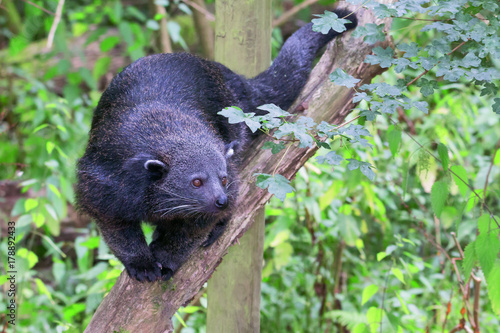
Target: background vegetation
342,253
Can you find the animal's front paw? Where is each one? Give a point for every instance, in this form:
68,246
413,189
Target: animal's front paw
166,273
143,269
216,232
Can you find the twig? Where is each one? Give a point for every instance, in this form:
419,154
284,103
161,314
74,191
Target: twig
291,12
53,28
204,11
489,170
281,159
477,292
39,7
427,70
407,120
457,244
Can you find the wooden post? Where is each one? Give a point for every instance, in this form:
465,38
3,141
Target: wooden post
242,43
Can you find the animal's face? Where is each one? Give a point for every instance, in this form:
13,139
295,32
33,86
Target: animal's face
193,184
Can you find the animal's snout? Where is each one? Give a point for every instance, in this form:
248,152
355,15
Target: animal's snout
221,202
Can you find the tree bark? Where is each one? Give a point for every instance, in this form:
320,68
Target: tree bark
149,307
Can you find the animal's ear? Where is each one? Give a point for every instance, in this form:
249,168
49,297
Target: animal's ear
231,148
156,168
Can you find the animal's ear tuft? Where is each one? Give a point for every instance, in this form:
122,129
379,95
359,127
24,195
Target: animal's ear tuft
230,148
156,168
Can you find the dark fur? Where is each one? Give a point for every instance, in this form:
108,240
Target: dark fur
164,108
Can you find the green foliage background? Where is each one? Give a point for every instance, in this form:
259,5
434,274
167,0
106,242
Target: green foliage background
351,249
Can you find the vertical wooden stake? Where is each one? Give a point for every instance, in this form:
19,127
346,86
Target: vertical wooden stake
242,43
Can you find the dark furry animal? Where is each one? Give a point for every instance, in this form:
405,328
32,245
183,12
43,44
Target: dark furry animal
158,151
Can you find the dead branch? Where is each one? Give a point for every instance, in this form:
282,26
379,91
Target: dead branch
290,13
53,28
199,6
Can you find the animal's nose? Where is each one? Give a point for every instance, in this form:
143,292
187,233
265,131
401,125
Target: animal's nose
221,202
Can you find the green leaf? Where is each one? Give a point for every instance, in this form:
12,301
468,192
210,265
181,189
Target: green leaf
331,158
50,146
30,256
371,33
91,243
411,50
496,106
487,245
101,67
470,259
72,310
55,190
52,221
483,224
462,173
275,147
274,111
108,43
494,287
327,21
39,128
428,86
277,185
134,12
398,274
374,315
439,194
235,115
394,138
282,254
443,155
365,168
300,131
368,292
42,288
422,106
489,89
382,57
30,204
381,255
341,78
152,25
367,171
370,115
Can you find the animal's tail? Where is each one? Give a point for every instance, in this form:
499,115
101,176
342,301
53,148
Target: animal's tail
282,82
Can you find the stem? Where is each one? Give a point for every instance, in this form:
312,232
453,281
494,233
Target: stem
39,7
290,13
53,28
427,70
281,159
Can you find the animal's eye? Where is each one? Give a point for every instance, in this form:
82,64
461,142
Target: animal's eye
224,181
197,182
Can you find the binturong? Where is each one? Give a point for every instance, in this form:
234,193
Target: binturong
158,152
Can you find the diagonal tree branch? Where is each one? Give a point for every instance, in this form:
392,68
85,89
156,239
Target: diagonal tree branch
148,307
